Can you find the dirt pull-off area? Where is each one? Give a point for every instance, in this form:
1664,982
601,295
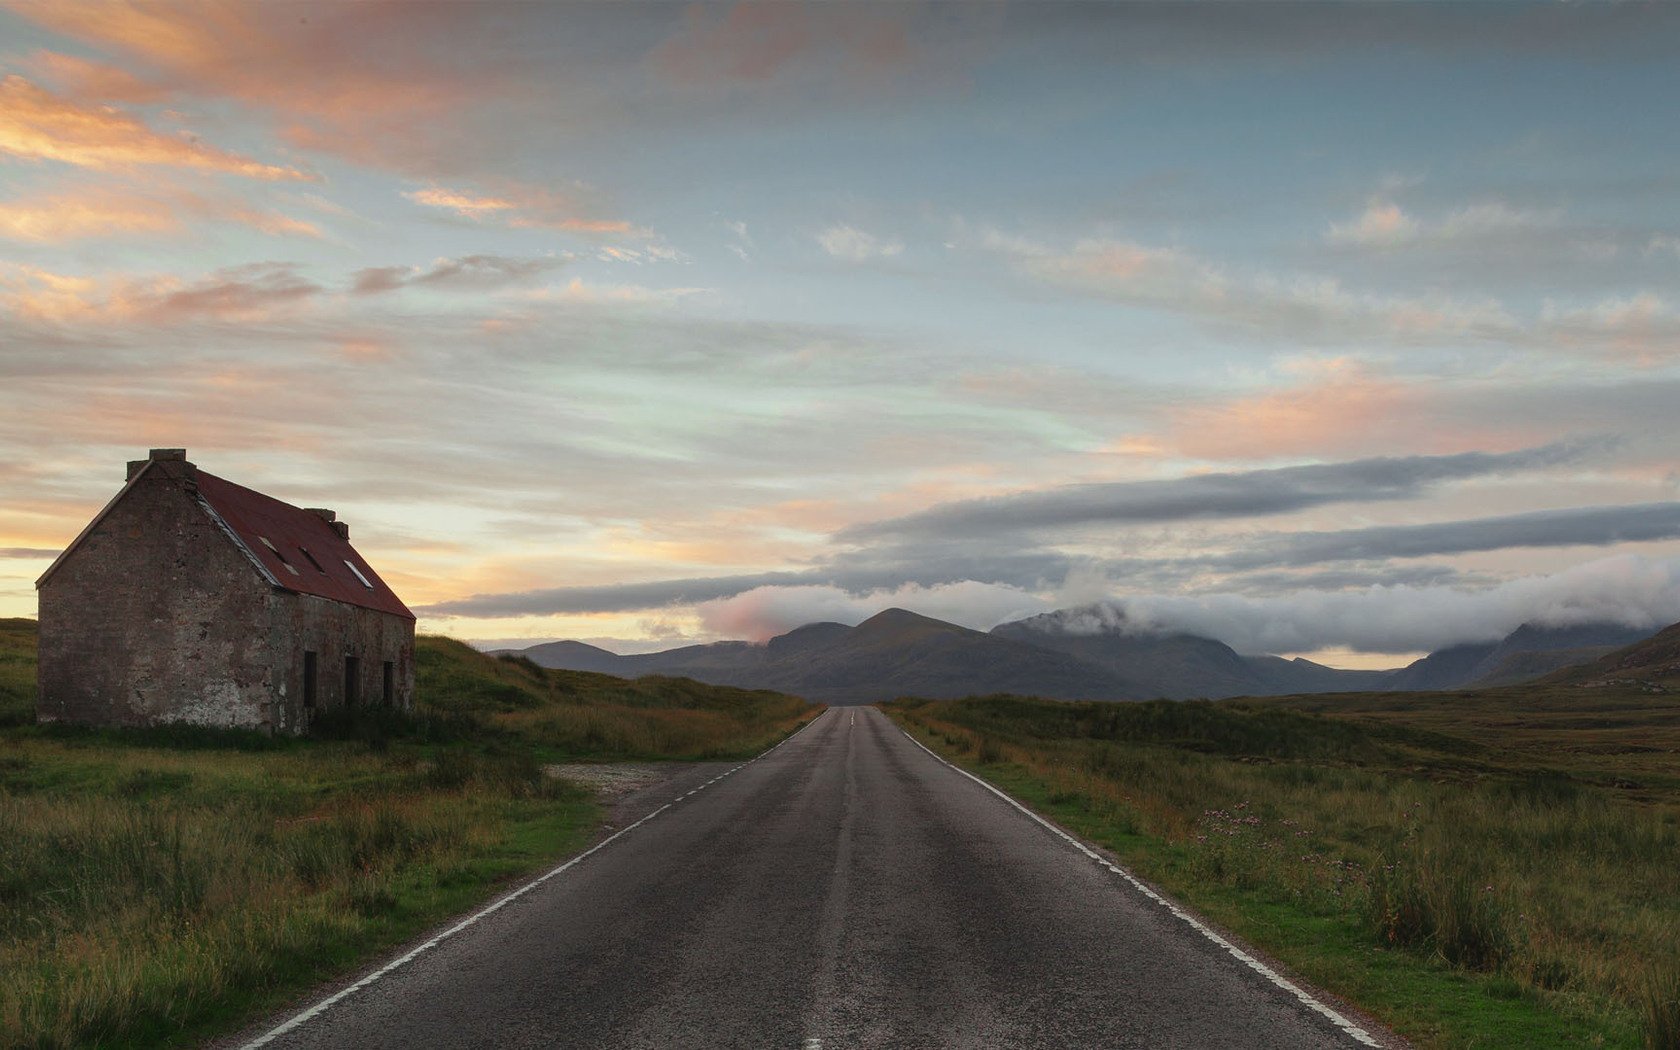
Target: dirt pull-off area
611,780
630,790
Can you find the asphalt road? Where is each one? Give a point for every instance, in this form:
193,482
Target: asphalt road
845,890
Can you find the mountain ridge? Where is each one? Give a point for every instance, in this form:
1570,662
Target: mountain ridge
897,652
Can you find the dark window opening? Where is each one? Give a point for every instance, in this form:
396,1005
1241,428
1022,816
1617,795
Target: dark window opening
312,560
390,680
309,681
352,680
266,542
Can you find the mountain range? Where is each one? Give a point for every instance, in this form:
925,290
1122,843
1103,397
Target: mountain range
900,653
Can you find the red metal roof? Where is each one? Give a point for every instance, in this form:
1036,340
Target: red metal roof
299,548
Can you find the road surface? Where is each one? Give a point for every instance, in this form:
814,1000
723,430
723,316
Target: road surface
847,889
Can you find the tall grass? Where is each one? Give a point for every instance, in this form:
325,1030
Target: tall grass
1452,847
167,885
17,672
159,885
576,714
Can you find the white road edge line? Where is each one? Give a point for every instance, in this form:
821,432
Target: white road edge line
1357,1033
407,957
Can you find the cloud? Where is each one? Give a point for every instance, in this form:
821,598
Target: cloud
470,272
1391,617
28,552
1209,496
36,124
85,78
1384,224
1569,527
1625,589
243,293
51,220
1643,327
764,612
854,245
1257,565
1334,407
619,597
1298,307
742,246
522,208
364,81
856,573
593,293
105,212
756,42
1307,308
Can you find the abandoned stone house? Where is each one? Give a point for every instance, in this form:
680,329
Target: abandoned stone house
192,599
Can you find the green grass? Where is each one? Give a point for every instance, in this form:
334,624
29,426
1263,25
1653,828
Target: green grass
1479,870
160,886
17,672
577,715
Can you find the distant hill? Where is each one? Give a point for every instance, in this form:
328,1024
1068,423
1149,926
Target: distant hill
1057,655
1527,653
894,653
1180,666
1654,660
1530,652
573,656
1446,668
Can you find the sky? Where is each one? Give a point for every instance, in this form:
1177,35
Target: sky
1347,331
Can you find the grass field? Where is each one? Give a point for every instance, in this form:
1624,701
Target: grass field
1498,869
159,886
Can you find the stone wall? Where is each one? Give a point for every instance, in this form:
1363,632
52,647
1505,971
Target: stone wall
331,630
156,617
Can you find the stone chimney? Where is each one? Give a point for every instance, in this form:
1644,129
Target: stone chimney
160,455
331,518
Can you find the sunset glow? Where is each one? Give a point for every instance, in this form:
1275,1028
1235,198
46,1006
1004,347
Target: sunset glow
1340,330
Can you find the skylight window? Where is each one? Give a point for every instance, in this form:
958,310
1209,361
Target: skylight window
358,573
312,560
266,542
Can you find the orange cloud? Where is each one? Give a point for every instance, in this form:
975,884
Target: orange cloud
372,82
245,293
1382,223
102,211
65,217
1340,408
87,79
36,124
521,208
464,204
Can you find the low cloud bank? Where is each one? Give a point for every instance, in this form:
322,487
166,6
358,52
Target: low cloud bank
1627,589
764,612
